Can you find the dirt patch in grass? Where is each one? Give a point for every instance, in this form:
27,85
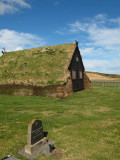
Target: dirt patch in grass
102,109
48,113
83,112
57,154
58,129
45,113
105,123
28,111
20,122
86,113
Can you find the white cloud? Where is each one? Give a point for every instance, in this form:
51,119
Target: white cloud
19,48
12,40
101,31
117,20
11,6
95,63
103,66
60,32
109,38
87,51
77,26
101,42
21,3
100,17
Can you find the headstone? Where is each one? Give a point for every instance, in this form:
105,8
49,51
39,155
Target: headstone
35,131
37,142
35,136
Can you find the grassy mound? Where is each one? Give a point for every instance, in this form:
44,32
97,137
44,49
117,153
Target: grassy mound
38,66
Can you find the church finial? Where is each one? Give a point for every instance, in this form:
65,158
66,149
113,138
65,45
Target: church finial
76,42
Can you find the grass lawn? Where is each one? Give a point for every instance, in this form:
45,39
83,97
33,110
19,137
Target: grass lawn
85,126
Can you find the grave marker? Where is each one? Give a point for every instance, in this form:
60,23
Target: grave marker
35,136
36,131
37,142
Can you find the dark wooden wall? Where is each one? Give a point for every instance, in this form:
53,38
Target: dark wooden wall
76,68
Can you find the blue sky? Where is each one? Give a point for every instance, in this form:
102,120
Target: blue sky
94,23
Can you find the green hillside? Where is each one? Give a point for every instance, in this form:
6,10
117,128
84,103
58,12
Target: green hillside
38,66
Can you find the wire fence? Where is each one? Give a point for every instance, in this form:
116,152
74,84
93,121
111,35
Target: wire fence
106,84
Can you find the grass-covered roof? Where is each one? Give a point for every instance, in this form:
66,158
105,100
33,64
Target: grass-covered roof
45,65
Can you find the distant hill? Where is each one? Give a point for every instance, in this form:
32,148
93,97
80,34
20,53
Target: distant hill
96,76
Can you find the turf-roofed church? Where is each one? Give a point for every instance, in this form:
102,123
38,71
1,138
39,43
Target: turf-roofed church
52,71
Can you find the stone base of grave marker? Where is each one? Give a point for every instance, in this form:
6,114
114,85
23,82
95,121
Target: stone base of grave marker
32,148
42,149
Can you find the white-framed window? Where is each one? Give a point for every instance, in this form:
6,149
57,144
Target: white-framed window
73,74
80,75
77,59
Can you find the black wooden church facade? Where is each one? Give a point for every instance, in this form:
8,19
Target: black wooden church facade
76,68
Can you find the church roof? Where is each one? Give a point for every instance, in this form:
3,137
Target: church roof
38,66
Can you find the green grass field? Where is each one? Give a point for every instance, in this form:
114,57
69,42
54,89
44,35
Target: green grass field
85,126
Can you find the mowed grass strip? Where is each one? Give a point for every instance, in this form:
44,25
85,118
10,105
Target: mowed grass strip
85,126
